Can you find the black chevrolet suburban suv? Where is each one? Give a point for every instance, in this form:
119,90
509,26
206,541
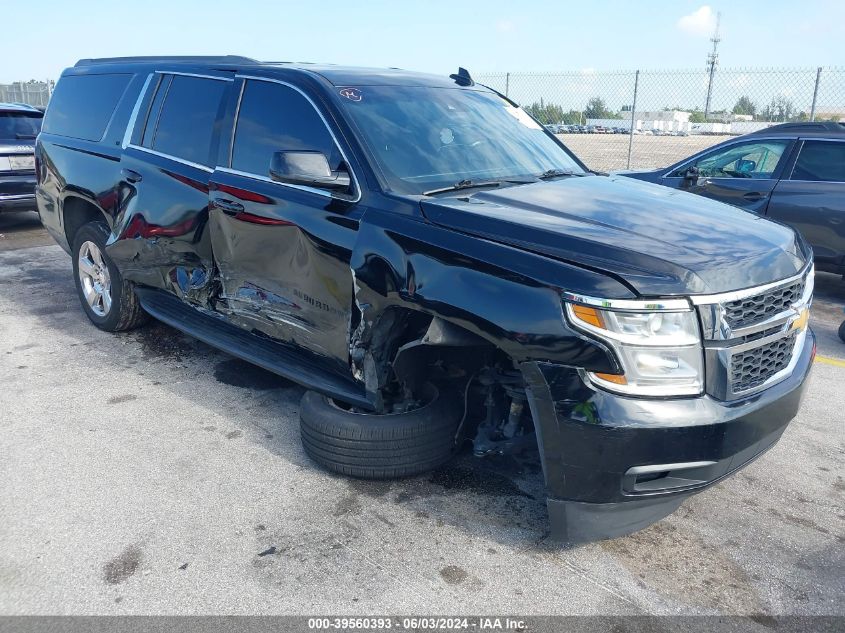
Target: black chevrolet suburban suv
19,125
434,267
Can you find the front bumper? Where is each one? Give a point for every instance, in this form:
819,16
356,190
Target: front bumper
614,464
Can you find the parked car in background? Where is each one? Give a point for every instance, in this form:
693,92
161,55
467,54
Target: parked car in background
19,125
793,173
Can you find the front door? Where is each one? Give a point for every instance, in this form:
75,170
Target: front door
283,250
742,174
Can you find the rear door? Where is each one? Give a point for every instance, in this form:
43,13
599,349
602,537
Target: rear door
812,200
743,174
162,231
283,250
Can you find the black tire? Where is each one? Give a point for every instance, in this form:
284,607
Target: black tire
388,446
125,312
842,331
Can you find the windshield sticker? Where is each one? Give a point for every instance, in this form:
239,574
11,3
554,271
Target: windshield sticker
353,94
446,136
522,116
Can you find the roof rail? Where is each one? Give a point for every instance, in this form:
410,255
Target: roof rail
176,59
804,126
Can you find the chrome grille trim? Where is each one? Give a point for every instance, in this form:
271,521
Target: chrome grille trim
767,349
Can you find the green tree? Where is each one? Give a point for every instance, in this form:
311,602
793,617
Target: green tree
744,105
696,116
597,109
779,109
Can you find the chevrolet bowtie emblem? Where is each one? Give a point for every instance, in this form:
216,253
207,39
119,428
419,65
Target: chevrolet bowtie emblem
801,320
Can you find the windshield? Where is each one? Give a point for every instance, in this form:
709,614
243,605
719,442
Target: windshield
429,138
19,125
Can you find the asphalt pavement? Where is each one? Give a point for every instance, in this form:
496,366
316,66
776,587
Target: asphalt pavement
147,473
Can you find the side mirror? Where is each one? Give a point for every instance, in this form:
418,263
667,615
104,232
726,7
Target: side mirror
691,174
744,166
310,169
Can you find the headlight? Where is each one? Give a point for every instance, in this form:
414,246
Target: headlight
657,344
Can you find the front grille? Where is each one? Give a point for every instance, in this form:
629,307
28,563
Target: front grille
754,367
751,310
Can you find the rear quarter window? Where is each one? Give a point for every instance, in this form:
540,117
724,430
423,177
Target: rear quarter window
82,105
821,161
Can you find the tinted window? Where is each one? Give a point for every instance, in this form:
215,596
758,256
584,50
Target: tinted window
19,125
820,160
186,125
745,160
148,124
274,118
82,105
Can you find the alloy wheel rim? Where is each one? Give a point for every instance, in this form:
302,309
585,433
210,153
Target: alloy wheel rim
94,278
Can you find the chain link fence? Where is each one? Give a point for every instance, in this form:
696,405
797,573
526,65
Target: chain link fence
34,93
645,119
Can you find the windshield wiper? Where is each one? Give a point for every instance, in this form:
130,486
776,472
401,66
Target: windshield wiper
557,173
22,136
465,184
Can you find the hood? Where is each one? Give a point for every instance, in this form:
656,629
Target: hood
660,241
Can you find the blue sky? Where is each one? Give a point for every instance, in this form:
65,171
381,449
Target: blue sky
434,35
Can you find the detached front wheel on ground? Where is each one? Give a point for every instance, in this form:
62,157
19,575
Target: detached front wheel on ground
386,446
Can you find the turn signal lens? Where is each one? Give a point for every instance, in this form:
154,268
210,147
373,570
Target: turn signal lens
588,315
617,379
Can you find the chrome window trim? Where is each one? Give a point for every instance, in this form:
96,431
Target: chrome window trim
171,157
235,124
322,192
133,118
199,75
633,305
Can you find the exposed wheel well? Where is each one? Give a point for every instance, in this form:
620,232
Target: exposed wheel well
76,213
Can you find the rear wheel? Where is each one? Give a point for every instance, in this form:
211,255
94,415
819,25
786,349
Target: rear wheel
842,331
109,301
373,446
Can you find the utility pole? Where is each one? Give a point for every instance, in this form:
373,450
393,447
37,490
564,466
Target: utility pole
712,62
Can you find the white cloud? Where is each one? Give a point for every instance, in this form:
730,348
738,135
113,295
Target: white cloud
505,26
702,21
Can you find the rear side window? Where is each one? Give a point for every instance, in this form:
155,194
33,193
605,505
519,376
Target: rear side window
82,105
186,125
274,118
15,126
820,161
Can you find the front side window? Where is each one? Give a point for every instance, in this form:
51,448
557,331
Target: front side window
821,161
424,138
186,125
277,118
757,159
15,126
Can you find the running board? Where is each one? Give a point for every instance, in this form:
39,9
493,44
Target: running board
284,360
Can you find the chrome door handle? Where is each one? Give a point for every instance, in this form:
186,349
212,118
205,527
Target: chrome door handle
229,207
131,175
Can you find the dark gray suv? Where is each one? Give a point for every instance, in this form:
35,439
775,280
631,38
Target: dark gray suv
794,173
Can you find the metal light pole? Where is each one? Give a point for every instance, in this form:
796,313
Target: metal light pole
712,62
